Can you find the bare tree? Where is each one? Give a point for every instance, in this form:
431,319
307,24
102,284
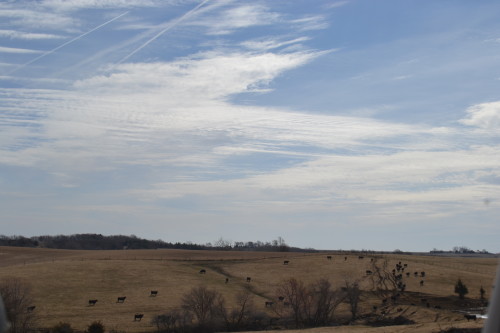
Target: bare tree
311,305
202,302
17,298
381,279
237,317
352,296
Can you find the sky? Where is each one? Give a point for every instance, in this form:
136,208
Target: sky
353,124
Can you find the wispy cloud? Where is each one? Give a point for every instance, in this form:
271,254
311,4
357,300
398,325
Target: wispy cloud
17,50
228,20
13,34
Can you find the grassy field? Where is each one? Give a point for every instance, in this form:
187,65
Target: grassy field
63,281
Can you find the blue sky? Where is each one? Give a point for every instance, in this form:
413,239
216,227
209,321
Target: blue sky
354,124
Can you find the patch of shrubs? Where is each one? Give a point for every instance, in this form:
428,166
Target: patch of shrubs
390,321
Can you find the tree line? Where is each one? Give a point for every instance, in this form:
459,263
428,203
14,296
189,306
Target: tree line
119,242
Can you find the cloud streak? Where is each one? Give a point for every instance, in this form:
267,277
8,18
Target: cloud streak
66,43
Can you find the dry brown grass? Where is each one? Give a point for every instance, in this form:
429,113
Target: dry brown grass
63,282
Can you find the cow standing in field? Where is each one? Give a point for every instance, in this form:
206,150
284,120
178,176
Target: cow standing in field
329,257
92,302
249,279
153,293
286,262
203,271
121,299
138,316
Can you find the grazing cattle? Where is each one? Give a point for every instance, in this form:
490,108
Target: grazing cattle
361,257
405,265
345,258
30,308
92,301
121,299
369,272
407,274
153,293
422,274
249,279
227,280
138,316
421,283
269,304
416,274
203,271
286,262
329,257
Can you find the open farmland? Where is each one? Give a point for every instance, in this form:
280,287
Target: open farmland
63,281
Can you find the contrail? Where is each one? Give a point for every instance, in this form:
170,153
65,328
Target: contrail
66,43
176,22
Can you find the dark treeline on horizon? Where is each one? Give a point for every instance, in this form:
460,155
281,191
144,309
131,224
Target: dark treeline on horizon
119,242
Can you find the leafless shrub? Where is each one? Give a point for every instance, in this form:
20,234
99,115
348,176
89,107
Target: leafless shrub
17,299
353,297
311,305
202,303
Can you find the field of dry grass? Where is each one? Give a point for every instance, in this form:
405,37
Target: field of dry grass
63,281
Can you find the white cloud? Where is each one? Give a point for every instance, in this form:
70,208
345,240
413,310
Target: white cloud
17,50
228,20
484,115
27,35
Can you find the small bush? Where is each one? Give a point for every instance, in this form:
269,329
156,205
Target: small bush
96,327
62,328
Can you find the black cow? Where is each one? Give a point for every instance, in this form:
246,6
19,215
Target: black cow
92,301
249,279
470,316
121,299
369,272
227,280
153,293
203,271
329,257
286,262
421,283
138,316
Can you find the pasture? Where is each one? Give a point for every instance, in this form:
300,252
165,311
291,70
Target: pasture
63,282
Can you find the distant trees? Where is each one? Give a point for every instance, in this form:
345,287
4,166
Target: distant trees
461,289
17,298
119,242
